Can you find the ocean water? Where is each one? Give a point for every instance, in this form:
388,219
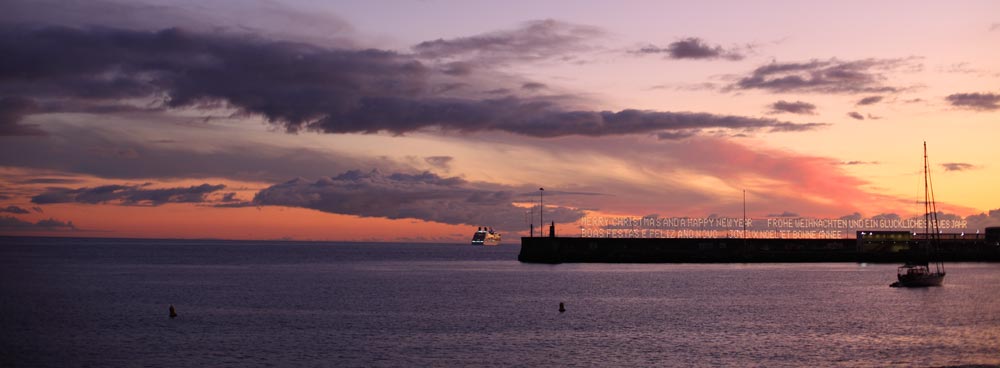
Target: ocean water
104,303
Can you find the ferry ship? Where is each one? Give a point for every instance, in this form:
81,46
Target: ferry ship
486,236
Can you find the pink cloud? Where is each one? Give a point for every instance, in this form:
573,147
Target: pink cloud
776,180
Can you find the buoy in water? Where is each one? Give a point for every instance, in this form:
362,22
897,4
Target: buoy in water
562,307
173,312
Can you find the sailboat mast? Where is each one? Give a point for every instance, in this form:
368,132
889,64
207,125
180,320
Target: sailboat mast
931,227
927,205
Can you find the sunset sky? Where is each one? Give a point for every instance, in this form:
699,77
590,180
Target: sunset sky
421,120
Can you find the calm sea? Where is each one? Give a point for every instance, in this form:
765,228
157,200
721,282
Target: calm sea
104,303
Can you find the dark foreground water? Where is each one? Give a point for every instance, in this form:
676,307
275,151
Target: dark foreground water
78,302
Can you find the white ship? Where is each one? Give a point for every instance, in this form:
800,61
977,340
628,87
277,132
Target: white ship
486,236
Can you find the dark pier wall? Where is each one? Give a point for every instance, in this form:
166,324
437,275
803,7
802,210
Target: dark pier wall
729,250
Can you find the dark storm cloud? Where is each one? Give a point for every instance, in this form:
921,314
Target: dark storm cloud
963,68
299,86
856,115
797,107
824,76
10,223
12,110
975,101
127,195
423,196
535,40
293,83
870,100
692,48
958,166
15,210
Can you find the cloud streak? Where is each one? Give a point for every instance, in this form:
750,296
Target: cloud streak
975,101
797,107
855,163
130,195
15,210
440,162
94,151
958,166
692,48
870,100
533,41
824,76
10,223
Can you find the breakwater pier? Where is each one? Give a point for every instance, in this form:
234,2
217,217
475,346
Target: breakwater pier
868,246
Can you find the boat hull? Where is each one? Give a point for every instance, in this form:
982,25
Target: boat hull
934,279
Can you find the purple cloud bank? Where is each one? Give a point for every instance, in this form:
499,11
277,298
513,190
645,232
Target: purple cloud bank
294,85
425,196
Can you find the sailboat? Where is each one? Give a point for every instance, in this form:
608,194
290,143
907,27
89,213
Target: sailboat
918,273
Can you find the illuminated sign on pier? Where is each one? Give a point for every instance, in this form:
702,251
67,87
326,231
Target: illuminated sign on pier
730,227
